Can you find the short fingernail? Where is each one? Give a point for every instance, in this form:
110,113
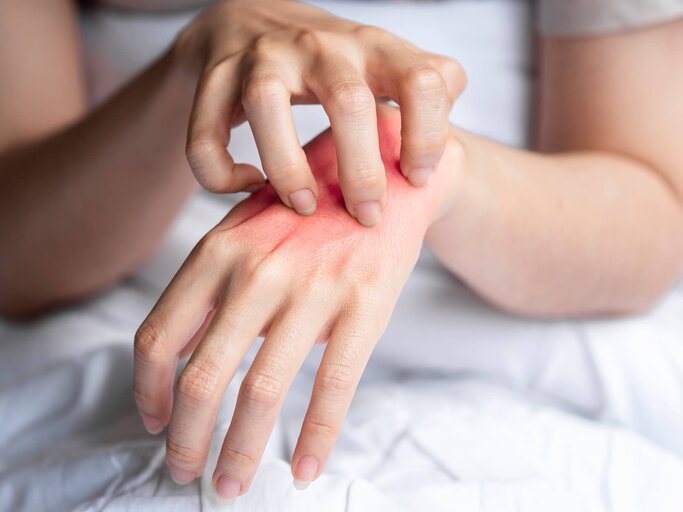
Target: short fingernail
153,425
420,176
227,489
303,201
367,213
305,471
255,187
182,476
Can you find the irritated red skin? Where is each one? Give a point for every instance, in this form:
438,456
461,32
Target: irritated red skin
321,276
331,233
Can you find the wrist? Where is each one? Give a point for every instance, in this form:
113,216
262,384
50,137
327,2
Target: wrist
447,184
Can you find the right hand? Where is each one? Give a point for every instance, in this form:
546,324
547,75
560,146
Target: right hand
257,57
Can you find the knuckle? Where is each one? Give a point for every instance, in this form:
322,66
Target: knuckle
455,150
199,381
264,47
456,74
310,40
428,143
180,453
351,99
336,379
431,144
371,32
202,156
286,169
150,339
455,68
263,92
199,151
425,81
365,178
143,399
321,428
238,457
364,296
213,245
261,389
268,273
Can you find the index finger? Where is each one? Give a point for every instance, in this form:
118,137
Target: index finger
208,134
267,105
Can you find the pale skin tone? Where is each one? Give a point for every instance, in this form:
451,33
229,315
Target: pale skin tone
591,223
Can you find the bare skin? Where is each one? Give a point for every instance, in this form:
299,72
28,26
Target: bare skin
108,182
121,171
591,223
296,280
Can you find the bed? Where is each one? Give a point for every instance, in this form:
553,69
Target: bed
461,408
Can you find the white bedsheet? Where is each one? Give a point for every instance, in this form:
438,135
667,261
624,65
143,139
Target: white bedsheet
461,408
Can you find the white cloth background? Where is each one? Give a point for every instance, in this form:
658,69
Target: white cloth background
461,408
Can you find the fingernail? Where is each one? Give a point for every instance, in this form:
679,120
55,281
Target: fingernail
305,471
303,201
227,489
367,213
153,425
223,501
420,176
182,476
255,187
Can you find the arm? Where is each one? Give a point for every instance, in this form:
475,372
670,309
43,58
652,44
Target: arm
594,223
83,199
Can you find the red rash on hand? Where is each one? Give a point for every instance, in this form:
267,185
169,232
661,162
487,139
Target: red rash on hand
295,279
263,221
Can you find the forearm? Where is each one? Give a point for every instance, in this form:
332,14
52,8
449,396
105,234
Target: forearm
81,208
577,233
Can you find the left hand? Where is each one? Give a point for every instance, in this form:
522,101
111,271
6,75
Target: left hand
297,280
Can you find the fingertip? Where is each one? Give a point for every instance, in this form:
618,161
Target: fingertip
367,213
303,201
419,176
182,476
227,488
301,485
305,471
153,425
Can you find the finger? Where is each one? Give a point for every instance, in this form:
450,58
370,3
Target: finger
261,395
452,72
165,332
267,106
240,316
199,335
342,366
421,91
350,105
214,106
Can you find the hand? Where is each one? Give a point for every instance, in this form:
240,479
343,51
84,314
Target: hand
297,280
257,57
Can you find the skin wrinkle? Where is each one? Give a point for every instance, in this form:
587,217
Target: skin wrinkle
302,280
331,232
110,184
